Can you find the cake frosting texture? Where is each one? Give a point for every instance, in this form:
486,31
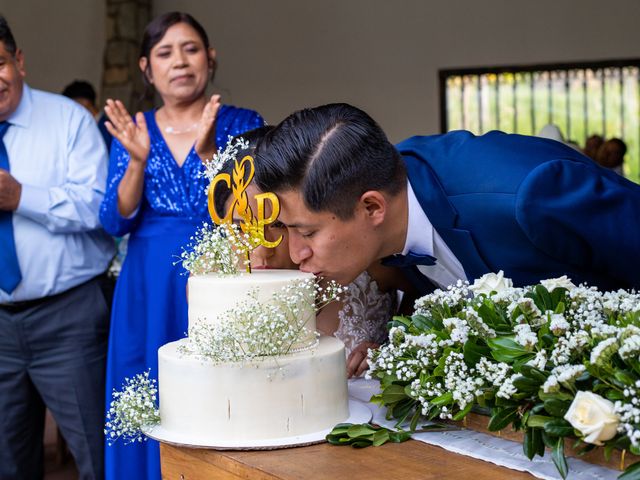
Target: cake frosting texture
211,295
271,398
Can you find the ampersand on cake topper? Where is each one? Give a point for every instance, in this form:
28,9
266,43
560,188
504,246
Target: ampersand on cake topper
251,225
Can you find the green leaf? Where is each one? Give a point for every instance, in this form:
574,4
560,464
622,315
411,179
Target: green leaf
505,349
473,351
556,407
557,395
380,437
614,395
364,435
608,448
340,428
400,321
538,420
558,427
463,413
548,440
393,394
444,399
360,430
625,376
532,442
402,409
338,440
537,408
521,361
533,373
557,454
525,384
399,436
414,420
632,472
361,444
545,299
425,324
501,418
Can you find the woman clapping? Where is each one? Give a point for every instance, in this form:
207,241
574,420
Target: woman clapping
156,193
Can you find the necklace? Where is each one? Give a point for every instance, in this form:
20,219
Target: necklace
176,131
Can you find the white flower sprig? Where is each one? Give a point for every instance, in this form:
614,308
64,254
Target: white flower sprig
230,153
217,249
132,408
260,329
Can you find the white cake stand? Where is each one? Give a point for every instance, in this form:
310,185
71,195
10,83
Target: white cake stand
358,413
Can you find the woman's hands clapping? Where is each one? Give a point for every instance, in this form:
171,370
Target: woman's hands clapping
134,136
205,145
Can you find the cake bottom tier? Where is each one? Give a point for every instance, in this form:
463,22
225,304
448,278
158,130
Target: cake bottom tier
270,398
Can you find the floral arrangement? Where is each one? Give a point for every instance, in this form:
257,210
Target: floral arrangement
258,329
553,360
131,409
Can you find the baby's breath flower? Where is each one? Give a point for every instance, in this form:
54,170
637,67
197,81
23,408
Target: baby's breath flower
256,328
230,153
603,352
215,249
132,408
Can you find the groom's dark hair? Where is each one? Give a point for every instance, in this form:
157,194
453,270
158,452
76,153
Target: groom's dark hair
332,154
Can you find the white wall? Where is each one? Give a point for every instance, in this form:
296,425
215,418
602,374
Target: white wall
62,40
383,55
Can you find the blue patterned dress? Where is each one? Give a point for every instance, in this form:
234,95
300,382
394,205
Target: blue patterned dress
149,306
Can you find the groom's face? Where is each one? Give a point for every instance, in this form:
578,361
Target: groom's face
323,244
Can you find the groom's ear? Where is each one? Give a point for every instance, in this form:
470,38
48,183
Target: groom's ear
374,205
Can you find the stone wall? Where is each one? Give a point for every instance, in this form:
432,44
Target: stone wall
121,78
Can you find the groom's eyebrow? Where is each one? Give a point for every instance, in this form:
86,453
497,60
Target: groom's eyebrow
299,225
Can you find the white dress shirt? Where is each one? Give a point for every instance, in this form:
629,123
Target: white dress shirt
423,239
56,152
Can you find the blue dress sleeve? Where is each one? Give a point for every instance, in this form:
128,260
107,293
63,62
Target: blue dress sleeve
235,121
114,223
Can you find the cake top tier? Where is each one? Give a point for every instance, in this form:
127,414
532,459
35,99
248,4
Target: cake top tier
211,295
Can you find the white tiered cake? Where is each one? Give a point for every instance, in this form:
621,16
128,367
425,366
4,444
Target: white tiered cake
263,399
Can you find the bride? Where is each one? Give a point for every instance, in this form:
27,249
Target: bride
155,192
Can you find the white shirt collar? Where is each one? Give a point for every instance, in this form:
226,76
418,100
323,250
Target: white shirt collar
22,116
419,229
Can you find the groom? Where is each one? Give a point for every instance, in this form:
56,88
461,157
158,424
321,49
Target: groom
447,207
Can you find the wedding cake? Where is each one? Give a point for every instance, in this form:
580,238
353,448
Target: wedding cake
252,372
264,398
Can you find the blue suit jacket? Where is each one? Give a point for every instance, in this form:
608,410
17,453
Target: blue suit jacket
532,207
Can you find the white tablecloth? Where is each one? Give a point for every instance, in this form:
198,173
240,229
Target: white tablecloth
483,446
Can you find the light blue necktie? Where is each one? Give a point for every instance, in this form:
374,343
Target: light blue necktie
10,275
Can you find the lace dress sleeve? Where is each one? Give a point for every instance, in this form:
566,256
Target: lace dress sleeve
365,313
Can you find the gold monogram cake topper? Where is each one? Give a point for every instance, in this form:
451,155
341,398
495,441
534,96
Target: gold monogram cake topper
251,225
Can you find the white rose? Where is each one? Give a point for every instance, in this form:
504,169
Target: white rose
562,282
593,416
491,282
